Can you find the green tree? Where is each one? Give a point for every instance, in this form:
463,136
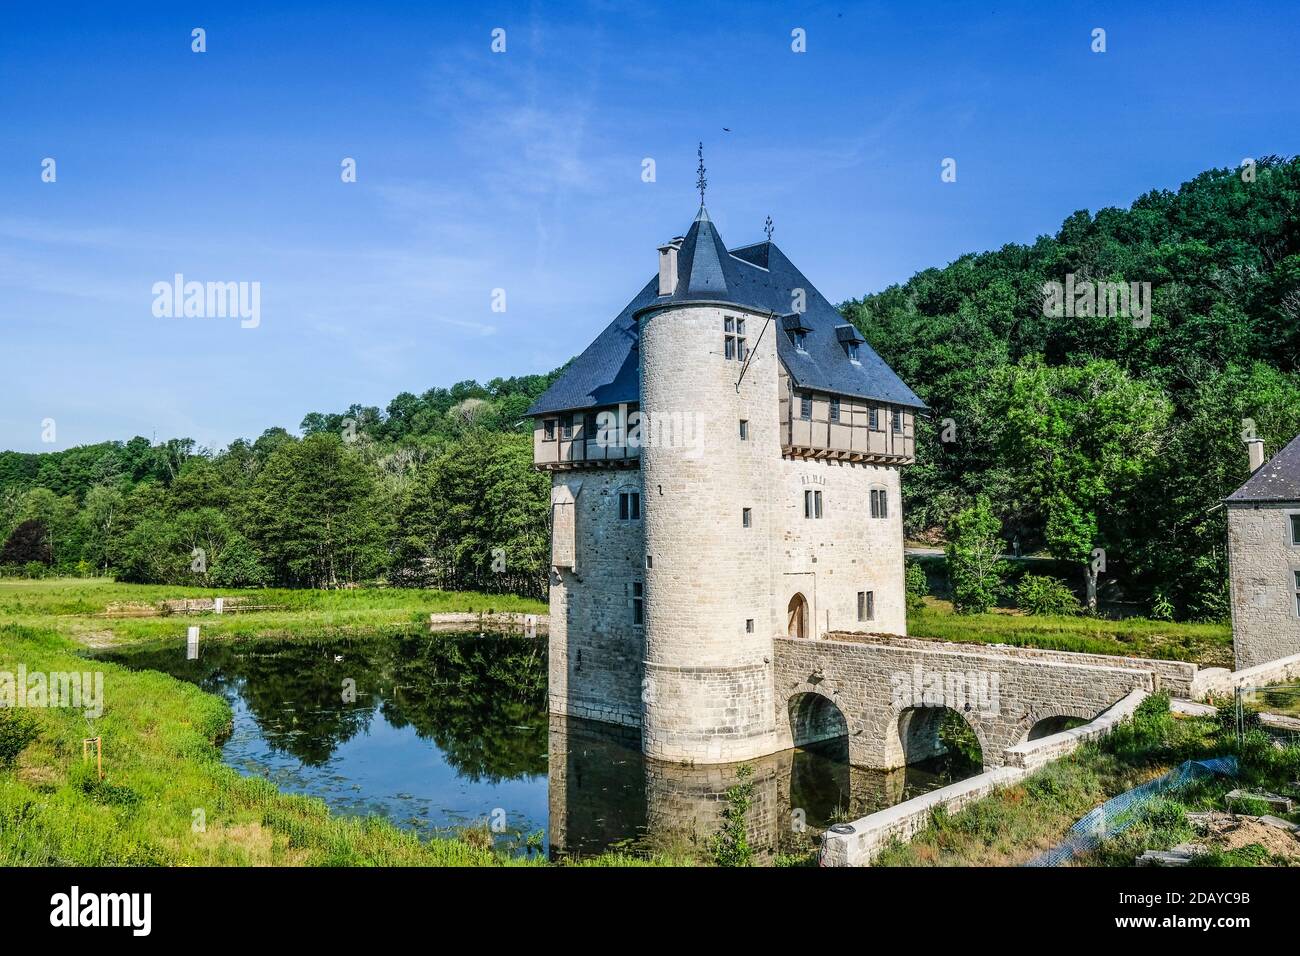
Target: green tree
973,551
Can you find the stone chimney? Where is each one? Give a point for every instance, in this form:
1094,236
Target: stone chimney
1255,446
668,266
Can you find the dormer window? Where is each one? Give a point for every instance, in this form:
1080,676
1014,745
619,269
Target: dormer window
853,352
801,340
798,331
850,338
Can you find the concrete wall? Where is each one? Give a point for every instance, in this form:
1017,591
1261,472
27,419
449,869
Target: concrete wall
1263,562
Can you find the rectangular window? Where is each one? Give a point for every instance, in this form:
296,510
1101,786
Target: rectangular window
1297,591
807,504
817,503
649,560
744,429
629,506
729,350
746,517
874,419
805,407
589,426
879,503
853,351
800,340
898,422
742,350
866,605
835,409
566,427
548,429
733,338
749,625
638,603
1295,529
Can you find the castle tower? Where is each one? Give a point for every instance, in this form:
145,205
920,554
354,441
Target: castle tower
725,462
708,693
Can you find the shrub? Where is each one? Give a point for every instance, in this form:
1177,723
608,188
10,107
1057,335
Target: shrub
730,845
917,586
1039,594
17,729
975,569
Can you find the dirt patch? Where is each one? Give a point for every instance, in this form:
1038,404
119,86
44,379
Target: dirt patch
95,639
1235,834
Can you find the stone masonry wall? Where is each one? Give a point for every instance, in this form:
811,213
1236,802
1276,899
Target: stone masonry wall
596,651
865,680
1263,564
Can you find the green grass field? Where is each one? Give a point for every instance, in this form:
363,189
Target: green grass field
1209,645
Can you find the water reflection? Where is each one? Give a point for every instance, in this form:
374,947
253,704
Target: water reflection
440,731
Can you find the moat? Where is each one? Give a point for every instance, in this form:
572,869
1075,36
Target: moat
438,732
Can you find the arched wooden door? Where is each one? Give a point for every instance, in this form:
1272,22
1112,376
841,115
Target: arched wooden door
797,617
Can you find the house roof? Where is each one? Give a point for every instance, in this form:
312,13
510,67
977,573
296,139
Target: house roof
1278,479
757,277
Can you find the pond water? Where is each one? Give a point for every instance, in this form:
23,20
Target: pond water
441,731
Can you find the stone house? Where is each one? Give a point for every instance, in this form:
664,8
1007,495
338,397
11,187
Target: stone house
1264,557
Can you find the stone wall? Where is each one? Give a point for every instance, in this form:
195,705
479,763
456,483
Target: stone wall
878,688
1263,563
596,651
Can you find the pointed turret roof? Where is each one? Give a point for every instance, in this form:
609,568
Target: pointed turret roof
704,267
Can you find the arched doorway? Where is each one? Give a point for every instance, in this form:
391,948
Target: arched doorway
797,617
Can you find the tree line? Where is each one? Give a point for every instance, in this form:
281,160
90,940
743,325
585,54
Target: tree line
1107,440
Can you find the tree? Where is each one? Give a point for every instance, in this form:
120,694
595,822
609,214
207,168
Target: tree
28,542
1081,438
975,568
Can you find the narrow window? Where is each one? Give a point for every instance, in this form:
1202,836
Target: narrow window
566,427
744,429
729,337
898,422
1295,529
805,407
874,419
807,504
746,517
835,409
1297,591
649,560
638,603
853,351
875,503
741,349
866,605
799,340
749,625
548,429
879,503
817,503
884,504
629,506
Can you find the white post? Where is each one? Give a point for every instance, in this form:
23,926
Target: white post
530,625
218,605
192,643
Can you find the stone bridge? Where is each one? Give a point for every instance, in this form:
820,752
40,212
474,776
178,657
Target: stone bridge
889,693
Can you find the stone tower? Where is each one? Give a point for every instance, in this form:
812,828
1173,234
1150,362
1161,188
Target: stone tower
725,462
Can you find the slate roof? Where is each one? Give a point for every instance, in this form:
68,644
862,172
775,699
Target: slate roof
758,277
1278,479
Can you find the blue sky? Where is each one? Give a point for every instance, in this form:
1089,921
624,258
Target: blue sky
522,171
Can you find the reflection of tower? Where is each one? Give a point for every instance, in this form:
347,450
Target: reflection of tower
595,787
684,804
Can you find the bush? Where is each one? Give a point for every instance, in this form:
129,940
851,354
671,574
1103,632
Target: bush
1038,594
975,569
17,729
917,586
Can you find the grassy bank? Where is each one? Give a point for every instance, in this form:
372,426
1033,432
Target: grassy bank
1016,824
166,798
1209,645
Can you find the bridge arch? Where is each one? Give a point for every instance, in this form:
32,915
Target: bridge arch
815,716
918,734
1045,720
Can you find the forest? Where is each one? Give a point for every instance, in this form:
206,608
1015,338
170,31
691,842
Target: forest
1081,431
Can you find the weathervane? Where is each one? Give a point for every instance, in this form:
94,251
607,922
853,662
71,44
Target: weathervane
767,228
701,183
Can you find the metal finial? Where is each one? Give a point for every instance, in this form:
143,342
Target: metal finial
701,183
767,228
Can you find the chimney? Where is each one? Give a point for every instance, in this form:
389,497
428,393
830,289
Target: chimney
668,266
1255,446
